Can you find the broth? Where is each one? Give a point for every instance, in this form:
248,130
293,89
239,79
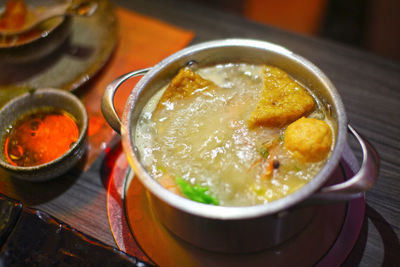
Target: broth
204,143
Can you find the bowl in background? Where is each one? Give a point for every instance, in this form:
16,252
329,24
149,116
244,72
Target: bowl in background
40,98
38,42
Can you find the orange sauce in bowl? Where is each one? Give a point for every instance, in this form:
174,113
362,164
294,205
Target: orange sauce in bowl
40,136
14,16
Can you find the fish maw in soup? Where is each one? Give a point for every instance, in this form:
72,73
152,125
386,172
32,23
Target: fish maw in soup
201,143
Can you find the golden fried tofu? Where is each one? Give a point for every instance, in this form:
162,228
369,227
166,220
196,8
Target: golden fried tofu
185,84
282,101
308,139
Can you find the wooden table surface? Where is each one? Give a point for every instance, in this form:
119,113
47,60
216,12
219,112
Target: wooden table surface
370,89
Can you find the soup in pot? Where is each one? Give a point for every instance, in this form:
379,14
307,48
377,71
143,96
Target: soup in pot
234,134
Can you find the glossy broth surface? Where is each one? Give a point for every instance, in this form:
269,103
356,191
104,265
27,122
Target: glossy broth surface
205,140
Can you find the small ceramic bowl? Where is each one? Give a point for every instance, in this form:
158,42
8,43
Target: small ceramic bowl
37,43
21,105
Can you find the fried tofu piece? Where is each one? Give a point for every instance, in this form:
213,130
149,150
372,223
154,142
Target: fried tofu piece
185,84
308,139
282,101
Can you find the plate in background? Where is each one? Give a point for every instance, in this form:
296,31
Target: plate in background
84,52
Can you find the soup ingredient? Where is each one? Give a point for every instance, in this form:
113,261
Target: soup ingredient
195,192
269,167
185,84
283,100
168,182
40,136
204,138
308,139
267,151
14,16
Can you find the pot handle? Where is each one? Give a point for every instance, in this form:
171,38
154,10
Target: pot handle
356,186
107,100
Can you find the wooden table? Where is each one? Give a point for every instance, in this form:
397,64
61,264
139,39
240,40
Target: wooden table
369,86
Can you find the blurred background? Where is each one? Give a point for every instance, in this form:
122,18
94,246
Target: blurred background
367,24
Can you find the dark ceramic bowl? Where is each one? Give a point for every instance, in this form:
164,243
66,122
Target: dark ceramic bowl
33,100
35,44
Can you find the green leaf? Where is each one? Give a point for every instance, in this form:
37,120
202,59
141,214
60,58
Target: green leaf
296,168
264,152
32,90
161,169
195,192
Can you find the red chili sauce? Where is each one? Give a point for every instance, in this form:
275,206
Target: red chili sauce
14,16
40,136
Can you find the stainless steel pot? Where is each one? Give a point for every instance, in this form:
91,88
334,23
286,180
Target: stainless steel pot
240,229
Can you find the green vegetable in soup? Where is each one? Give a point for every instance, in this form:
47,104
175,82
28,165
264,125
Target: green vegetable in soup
264,152
195,192
296,168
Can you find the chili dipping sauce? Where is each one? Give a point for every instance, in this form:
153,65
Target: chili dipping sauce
40,136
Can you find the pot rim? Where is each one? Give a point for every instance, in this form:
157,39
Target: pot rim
222,212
